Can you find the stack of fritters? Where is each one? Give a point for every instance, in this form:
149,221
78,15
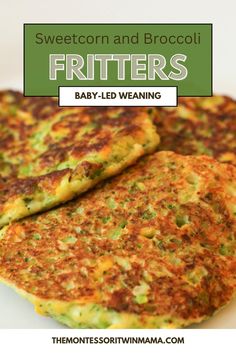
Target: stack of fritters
151,248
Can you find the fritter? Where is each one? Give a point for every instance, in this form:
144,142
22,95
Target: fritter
198,126
49,154
152,248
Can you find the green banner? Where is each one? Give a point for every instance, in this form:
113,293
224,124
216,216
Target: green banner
118,55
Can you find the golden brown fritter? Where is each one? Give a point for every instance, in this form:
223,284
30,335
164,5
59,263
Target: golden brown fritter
152,248
49,154
198,126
